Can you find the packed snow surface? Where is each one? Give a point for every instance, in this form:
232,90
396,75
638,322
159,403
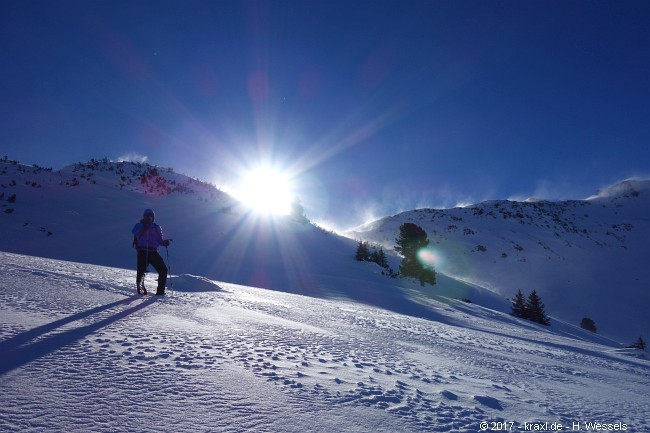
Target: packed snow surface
80,352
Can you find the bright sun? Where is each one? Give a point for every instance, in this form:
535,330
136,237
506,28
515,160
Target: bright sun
266,190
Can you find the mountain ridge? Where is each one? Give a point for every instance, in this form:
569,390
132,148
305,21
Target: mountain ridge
558,248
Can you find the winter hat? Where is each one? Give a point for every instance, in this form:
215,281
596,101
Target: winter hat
149,212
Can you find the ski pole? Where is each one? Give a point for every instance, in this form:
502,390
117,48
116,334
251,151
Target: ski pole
146,263
169,272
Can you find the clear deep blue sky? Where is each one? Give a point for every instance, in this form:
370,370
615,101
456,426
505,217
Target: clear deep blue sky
374,106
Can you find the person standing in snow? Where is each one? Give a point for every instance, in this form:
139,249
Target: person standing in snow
147,237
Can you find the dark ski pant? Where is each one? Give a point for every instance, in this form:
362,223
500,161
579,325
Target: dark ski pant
146,258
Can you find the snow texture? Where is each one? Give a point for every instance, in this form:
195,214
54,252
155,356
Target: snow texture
81,352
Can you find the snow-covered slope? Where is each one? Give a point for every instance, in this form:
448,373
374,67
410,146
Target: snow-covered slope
79,352
587,258
85,213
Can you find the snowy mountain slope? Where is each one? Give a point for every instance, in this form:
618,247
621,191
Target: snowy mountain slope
85,213
80,352
587,258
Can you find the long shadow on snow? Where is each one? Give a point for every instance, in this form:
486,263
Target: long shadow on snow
393,299
253,252
16,351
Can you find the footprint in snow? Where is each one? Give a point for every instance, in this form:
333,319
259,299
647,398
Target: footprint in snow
490,402
449,395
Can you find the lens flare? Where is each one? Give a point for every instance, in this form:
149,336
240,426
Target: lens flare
428,257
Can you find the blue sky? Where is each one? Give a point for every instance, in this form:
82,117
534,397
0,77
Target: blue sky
372,106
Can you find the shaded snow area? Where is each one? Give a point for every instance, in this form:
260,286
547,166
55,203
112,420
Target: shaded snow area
80,352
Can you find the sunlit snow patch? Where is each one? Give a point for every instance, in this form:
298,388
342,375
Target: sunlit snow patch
192,283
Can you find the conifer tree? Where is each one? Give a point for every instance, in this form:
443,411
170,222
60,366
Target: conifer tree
379,256
362,251
519,305
638,344
535,309
410,241
588,324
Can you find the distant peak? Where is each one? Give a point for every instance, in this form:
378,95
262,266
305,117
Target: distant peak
626,188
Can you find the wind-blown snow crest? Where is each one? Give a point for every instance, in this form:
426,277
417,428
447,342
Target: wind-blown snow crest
624,189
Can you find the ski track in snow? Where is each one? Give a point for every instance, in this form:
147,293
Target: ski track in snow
80,352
